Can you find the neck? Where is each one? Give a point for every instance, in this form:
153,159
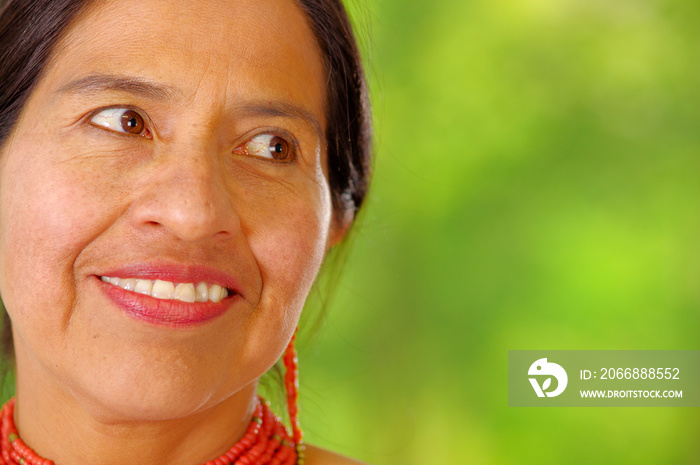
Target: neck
49,420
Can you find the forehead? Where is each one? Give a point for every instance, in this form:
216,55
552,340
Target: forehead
220,49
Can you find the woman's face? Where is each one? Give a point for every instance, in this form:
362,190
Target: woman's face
172,141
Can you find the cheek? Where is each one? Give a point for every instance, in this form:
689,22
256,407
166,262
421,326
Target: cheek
290,252
47,215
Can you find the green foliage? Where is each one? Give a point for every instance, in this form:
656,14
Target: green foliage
535,187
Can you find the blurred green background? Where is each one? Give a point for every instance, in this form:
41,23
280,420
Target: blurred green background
536,187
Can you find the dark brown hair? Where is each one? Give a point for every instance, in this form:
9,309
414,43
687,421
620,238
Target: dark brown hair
29,29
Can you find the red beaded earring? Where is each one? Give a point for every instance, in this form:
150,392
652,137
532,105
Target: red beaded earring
291,382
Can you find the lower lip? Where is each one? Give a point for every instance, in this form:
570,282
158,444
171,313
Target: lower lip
165,312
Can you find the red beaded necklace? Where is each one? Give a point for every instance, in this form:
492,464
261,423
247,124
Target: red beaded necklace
266,441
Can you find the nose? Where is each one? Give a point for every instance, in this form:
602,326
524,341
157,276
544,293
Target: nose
187,193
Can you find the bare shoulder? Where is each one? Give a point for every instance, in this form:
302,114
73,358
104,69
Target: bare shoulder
317,456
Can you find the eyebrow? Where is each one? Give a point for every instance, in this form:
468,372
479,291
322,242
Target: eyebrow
283,109
95,83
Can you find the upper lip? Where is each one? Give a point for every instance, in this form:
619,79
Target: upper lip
177,273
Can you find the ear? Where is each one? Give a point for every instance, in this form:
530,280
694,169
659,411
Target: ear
340,225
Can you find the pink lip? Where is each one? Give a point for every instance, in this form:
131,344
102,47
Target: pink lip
166,312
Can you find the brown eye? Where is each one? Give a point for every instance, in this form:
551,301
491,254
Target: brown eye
267,146
122,120
132,122
279,148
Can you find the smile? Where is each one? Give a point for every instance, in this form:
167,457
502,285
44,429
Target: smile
170,303
167,290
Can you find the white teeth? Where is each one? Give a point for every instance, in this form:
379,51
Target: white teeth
185,292
163,289
202,292
143,286
128,284
215,293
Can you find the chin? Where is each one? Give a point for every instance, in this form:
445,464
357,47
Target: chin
143,389
119,403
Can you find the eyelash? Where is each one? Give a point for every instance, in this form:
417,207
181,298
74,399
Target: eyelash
129,121
108,119
269,146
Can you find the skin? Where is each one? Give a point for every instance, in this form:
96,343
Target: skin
77,200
